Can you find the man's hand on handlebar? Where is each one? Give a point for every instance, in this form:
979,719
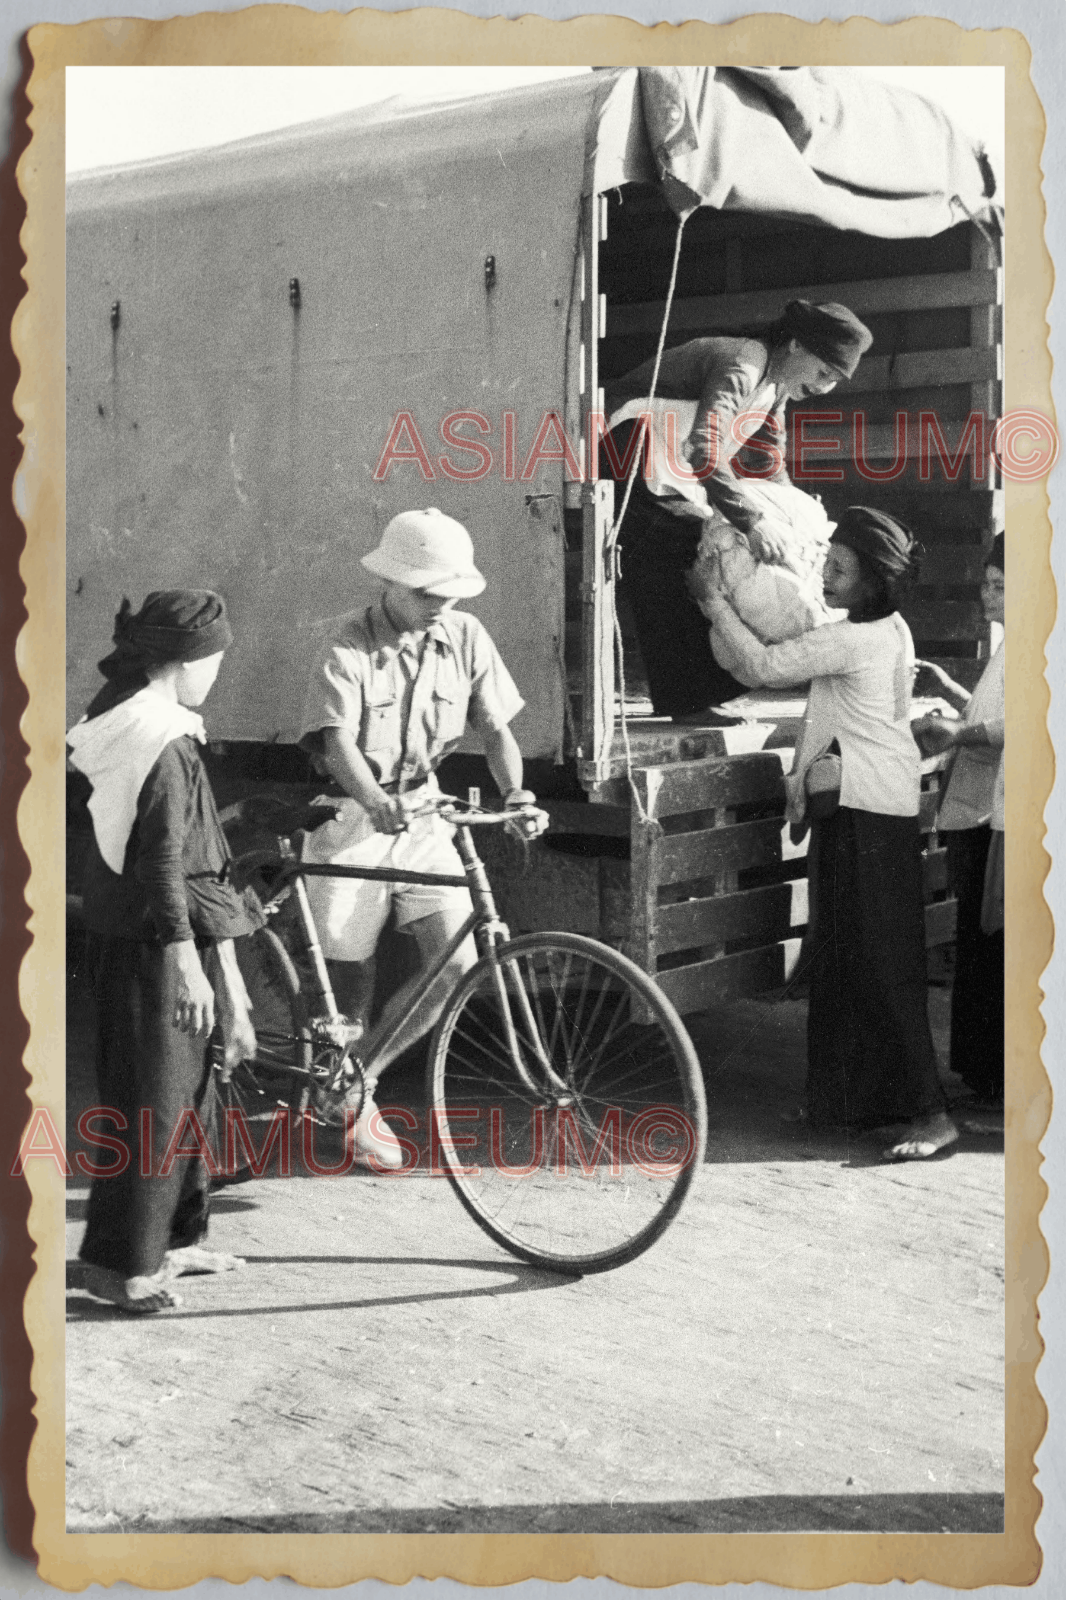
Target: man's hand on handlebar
389,814
525,827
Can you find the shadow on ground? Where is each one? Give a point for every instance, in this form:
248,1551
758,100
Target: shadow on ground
773,1513
753,1056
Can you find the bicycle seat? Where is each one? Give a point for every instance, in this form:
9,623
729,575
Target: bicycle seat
277,815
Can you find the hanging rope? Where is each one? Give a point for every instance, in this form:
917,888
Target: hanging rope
612,537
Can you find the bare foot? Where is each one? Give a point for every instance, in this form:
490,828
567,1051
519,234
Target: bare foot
924,1139
192,1258
141,1297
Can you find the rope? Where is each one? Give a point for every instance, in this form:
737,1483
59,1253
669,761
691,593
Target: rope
612,537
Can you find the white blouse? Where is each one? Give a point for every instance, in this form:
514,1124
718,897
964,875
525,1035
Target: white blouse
861,675
971,792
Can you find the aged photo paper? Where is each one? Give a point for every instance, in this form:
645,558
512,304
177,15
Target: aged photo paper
750,1343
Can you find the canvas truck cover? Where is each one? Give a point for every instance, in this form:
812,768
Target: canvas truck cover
245,325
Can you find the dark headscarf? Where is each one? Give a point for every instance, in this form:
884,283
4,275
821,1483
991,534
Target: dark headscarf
997,554
888,551
830,332
172,625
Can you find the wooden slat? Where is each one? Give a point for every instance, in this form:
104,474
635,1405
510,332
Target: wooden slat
657,746
940,923
929,292
942,619
879,443
729,781
597,503
952,563
955,511
687,857
927,807
986,336
770,914
713,983
912,369
645,850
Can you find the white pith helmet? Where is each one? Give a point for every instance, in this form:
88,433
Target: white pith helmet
427,550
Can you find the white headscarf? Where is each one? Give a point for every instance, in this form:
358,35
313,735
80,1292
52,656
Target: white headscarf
116,752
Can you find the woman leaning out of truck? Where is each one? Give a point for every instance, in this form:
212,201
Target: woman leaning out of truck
871,1066
161,918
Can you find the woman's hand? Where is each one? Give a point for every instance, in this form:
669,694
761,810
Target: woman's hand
194,1008
935,734
234,1009
931,679
238,1041
767,544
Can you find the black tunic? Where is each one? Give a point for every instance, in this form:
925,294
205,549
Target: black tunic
172,888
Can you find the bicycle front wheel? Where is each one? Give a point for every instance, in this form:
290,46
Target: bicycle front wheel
566,1102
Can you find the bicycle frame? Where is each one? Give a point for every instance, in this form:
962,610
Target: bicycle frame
483,922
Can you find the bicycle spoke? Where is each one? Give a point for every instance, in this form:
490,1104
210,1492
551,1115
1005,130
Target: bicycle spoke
590,1199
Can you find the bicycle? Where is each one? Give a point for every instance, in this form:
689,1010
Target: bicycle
564,1097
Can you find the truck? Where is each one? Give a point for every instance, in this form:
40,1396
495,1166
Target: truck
275,345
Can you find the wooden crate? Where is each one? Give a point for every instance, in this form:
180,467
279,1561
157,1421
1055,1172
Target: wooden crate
718,895
709,895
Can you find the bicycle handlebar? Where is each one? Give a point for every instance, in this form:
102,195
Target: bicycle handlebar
463,814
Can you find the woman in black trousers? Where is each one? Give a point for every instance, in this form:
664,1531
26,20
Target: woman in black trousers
161,917
856,779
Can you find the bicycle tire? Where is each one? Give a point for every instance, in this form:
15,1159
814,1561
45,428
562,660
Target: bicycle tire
627,1063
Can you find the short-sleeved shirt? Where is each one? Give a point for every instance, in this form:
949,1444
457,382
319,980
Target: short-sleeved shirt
971,791
408,698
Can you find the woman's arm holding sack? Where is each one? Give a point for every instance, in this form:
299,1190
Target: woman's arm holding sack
823,652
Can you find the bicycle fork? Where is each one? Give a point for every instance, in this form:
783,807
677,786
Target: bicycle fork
495,934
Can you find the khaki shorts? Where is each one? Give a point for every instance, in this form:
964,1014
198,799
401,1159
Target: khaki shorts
350,913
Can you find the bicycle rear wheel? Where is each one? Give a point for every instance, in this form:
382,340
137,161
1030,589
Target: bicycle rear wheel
278,1074
573,1139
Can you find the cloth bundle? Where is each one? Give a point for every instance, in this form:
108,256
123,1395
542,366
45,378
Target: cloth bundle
776,602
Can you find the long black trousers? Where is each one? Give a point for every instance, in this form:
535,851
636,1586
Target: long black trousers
977,994
870,1056
658,548
144,1064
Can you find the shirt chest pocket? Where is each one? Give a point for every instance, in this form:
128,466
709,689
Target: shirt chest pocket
451,702
381,720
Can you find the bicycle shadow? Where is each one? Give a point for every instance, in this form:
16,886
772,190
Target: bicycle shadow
521,1280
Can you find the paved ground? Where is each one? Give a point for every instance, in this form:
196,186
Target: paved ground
816,1343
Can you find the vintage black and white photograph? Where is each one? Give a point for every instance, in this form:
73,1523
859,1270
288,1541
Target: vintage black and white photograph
535,583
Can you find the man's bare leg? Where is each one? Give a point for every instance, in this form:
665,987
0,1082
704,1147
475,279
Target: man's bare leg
353,988
433,934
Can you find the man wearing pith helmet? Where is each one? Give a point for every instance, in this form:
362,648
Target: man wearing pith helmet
390,696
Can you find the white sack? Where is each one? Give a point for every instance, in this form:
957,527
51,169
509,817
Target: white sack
776,603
